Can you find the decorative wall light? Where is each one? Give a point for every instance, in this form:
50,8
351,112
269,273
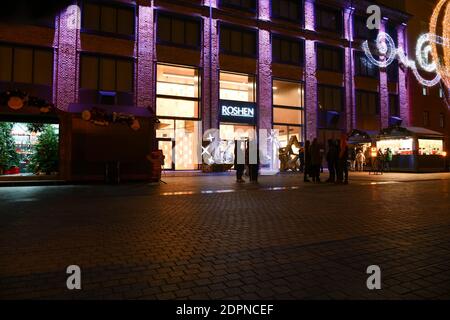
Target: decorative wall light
432,50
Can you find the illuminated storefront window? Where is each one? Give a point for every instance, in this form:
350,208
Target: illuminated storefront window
237,112
431,147
237,87
177,106
178,92
397,146
288,106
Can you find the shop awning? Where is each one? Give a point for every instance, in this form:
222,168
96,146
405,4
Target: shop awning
409,132
359,137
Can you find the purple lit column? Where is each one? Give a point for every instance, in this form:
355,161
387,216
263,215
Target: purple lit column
384,91
264,71
403,95
310,75
210,64
349,73
145,52
67,37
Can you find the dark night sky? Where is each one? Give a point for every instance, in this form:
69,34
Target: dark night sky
29,10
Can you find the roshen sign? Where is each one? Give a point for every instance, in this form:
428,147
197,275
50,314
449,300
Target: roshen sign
237,111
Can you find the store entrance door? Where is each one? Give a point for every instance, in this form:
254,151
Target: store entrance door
167,146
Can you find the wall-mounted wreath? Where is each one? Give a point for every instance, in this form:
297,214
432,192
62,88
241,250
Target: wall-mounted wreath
17,99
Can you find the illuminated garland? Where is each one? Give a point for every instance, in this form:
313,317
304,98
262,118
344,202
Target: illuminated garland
443,67
386,46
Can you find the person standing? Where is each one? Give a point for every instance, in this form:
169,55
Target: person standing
239,160
316,160
307,169
388,159
253,167
352,158
331,160
343,161
301,156
360,160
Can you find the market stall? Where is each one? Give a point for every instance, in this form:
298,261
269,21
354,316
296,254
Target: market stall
414,149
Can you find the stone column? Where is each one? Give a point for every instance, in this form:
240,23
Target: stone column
403,94
310,75
210,62
145,39
349,78
384,91
264,87
66,72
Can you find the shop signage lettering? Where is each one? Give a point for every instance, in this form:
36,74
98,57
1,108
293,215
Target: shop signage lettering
237,112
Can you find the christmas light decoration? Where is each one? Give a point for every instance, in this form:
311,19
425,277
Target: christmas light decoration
441,53
386,47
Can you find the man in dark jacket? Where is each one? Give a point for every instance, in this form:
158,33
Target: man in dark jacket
307,169
316,160
331,160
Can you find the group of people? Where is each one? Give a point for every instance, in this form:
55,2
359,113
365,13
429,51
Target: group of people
337,158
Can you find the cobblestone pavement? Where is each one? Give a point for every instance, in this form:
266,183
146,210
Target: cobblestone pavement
208,238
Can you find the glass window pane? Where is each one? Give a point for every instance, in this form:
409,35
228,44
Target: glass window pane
283,135
166,129
186,145
166,107
125,20
286,93
290,116
276,49
124,76
23,62
178,31
108,19
43,67
89,72
249,44
237,87
91,16
177,81
192,33
285,51
164,28
5,63
107,74
236,41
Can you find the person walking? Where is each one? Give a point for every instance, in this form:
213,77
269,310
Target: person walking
331,160
316,160
360,160
307,169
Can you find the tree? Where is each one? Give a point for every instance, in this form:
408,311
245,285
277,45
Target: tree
8,155
45,157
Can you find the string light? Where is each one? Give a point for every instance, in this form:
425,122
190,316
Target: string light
386,46
442,68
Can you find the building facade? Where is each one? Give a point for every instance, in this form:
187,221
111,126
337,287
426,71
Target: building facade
234,65
430,106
